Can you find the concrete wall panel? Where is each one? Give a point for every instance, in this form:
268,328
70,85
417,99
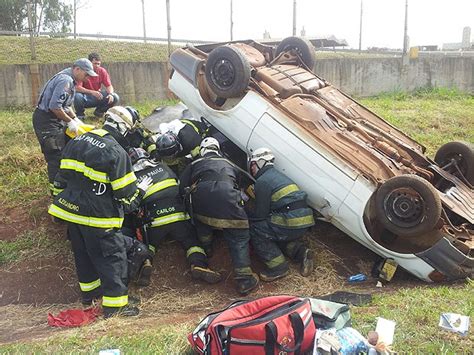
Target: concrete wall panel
356,76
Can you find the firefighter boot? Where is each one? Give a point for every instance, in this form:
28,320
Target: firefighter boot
275,273
246,283
126,311
205,274
136,257
144,276
307,263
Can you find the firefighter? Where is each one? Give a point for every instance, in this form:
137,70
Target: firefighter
53,112
96,184
211,183
180,138
166,216
280,219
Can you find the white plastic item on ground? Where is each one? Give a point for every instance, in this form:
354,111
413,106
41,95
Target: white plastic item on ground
109,352
386,330
454,322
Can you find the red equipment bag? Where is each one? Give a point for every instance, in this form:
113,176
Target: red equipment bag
267,326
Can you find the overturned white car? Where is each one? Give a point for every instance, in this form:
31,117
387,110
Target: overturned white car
361,174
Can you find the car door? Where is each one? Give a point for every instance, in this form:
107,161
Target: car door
299,157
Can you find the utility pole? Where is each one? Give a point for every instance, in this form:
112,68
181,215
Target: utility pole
168,21
360,26
75,18
231,23
294,17
30,29
144,25
405,35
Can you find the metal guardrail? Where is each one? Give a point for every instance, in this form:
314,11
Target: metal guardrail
105,36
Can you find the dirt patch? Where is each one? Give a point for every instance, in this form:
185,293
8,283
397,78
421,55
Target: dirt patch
15,220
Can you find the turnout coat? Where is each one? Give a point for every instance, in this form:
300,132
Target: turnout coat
215,192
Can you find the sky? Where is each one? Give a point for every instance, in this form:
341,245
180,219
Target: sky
429,21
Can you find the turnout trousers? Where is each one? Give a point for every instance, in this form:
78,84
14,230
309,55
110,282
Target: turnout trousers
50,133
101,265
238,242
272,243
183,232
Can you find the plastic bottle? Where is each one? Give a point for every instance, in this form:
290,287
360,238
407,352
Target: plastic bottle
357,278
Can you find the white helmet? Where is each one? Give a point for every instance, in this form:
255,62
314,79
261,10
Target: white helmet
260,158
119,118
208,145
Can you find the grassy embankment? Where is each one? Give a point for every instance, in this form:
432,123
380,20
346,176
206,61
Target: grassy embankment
16,50
432,118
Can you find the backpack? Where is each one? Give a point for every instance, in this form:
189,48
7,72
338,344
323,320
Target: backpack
267,326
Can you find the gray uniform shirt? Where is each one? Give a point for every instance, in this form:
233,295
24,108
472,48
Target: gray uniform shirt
58,92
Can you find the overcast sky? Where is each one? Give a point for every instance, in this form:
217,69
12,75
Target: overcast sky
429,21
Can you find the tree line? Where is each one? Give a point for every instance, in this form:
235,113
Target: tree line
46,15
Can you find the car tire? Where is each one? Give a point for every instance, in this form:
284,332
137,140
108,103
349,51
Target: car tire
304,48
462,153
408,205
227,72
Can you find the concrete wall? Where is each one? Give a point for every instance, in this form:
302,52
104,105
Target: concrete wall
361,77
367,77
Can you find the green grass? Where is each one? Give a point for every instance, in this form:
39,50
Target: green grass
431,117
152,339
16,50
416,312
29,244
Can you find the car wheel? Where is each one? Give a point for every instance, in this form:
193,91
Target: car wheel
408,205
227,72
304,48
457,154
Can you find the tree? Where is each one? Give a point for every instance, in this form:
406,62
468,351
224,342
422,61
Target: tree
57,16
13,15
47,15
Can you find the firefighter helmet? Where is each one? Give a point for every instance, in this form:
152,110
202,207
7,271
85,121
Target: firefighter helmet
208,144
137,154
135,114
260,158
168,145
119,118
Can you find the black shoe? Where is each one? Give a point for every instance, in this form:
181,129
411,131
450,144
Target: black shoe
246,283
275,273
127,311
307,264
205,274
144,276
91,302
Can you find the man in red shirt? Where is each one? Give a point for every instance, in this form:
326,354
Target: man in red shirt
89,93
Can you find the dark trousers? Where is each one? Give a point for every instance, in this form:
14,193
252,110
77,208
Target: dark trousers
270,243
50,133
184,233
237,241
83,101
101,264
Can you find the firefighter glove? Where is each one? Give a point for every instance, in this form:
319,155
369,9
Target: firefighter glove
145,183
73,125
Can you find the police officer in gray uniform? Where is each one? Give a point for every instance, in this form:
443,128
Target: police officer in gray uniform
54,112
